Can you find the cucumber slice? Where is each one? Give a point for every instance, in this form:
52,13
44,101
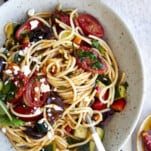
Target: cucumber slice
81,132
92,146
100,132
122,91
51,147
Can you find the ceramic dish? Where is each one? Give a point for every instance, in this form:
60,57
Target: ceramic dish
123,46
144,127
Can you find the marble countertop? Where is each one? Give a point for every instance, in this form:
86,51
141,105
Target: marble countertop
136,15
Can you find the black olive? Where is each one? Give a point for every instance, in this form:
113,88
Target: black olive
2,66
41,33
107,116
54,98
53,114
33,132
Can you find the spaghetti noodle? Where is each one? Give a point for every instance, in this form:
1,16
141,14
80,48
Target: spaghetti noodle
49,59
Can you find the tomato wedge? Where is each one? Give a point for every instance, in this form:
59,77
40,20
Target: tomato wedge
20,80
26,111
90,60
118,105
98,105
62,16
90,25
34,96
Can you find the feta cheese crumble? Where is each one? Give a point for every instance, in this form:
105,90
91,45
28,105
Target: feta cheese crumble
26,70
31,12
34,24
44,88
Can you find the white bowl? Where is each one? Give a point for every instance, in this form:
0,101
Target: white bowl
123,46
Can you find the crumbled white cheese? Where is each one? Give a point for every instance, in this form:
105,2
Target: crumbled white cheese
42,80
2,49
36,89
36,99
38,111
41,121
16,69
31,12
3,130
26,70
49,114
55,89
34,24
56,107
8,71
49,134
53,98
87,99
44,88
49,110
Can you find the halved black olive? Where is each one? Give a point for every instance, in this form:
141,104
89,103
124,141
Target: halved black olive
56,101
33,132
2,66
41,33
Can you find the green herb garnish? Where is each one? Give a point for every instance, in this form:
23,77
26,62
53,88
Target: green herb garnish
96,44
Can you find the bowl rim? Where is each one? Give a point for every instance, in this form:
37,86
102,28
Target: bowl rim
136,45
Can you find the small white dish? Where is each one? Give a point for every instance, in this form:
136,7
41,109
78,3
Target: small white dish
145,126
123,46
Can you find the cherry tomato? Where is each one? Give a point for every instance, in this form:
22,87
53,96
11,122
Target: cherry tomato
98,105
20,80
27,27
33,96
68,129
90,60
90,25
26,110
62,16
118,105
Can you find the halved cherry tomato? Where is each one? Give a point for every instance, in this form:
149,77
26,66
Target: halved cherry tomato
90,25
62,16
33,96
90,60
119,105
98,105
146,137
20,80
68,129
27,27
26,110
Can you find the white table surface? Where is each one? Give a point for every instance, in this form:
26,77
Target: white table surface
137,16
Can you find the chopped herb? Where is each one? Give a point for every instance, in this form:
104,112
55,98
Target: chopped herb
8,91
4,109
96,44
18,58
71,140
37,78
1,84
50,147
125,84
97,65
87,54
84,147
5,52
104,79
55,16
15,122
